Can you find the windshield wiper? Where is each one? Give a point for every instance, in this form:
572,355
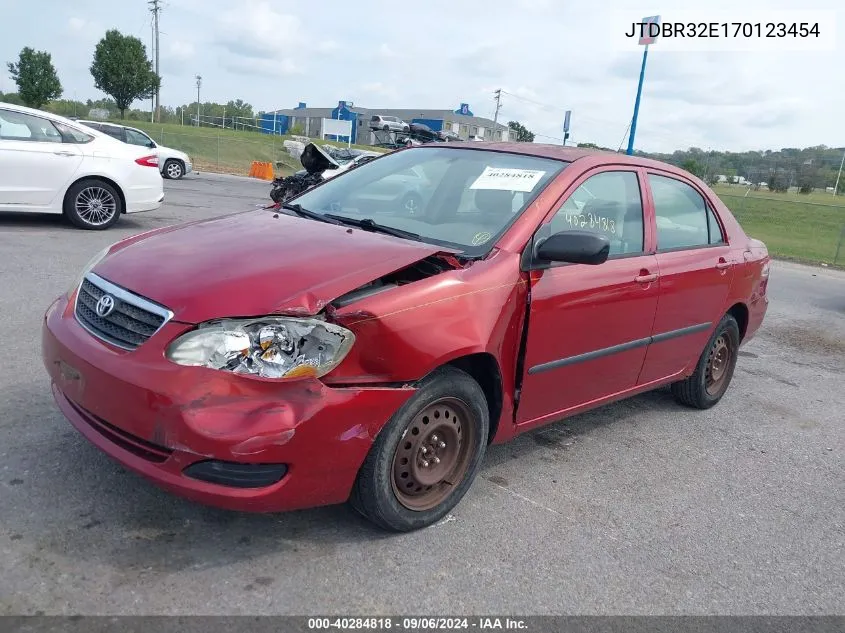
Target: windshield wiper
312,215
368,224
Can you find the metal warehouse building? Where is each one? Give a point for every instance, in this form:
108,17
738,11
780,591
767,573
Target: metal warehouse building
309,121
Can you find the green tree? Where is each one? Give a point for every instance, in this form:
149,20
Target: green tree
693,166
121,69
36,77
523,135
806,179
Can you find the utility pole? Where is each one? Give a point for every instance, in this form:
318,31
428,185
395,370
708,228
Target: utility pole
156,9
199,84
498,94
152,53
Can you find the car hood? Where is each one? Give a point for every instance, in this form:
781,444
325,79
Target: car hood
253,264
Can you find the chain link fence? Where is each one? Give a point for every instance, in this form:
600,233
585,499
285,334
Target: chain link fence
228,152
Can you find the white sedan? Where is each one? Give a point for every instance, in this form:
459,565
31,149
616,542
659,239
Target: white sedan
49,164
173,163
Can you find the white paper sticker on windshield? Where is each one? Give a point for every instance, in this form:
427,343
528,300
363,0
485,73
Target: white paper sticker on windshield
508,179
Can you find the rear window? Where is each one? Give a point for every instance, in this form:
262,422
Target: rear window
375,118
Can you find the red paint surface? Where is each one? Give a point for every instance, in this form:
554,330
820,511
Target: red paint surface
253,264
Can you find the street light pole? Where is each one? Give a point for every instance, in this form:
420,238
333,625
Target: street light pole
199,84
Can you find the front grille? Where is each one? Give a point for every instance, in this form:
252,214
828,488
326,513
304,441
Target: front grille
130,322
128,442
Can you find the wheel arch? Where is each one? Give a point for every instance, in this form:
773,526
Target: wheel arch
739,311
104,179
484,369
174,159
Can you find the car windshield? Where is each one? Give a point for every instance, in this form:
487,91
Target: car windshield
459,198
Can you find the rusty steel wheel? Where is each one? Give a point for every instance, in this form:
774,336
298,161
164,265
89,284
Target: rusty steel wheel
714,370
433,454
718,364
427,455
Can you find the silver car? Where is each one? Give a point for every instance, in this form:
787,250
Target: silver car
388,123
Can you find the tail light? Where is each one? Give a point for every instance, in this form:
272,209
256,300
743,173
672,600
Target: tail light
148,161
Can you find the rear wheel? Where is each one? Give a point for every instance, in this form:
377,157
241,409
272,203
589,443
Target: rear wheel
386,128
173,169
93,204
427,455
715,368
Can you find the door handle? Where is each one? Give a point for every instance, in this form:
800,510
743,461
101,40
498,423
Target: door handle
646,279
722,264
64,154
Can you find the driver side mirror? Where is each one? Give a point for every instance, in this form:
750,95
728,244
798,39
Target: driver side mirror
574,247
151,145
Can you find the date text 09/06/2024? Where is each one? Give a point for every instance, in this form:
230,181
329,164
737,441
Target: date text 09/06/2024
417,623
724,30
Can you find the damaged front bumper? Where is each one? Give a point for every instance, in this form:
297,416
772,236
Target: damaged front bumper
237,442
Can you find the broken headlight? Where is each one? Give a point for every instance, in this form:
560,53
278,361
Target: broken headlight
269,347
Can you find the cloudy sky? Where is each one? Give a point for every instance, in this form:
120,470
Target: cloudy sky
547,55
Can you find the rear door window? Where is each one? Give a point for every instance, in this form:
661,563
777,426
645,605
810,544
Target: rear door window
114,132
680,212
20,126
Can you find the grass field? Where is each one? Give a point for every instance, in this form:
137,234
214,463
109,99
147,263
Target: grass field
228,151
801,227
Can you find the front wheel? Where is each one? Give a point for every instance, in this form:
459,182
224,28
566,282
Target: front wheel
714,370
93,205
173,169
427,455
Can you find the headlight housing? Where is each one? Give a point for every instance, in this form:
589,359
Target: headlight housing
268,347
88,267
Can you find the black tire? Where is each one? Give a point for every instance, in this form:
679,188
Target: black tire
386,128
81,209
374,494
173,169
700,390
412,205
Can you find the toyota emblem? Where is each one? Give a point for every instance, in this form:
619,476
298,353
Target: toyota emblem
104,306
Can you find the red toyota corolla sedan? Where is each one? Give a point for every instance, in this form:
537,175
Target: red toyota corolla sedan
369,339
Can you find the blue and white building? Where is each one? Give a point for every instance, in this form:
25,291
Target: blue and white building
461,121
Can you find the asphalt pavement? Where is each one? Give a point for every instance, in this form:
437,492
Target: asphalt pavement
642,507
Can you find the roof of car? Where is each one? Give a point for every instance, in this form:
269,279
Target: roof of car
43,113
85,121
557,152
